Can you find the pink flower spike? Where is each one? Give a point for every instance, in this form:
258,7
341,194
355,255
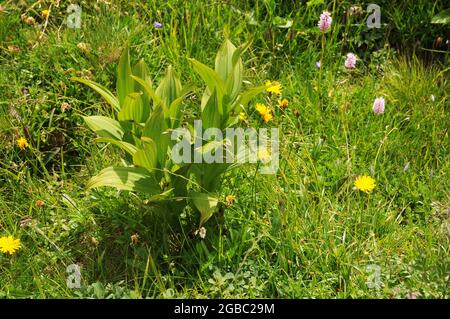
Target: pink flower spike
378,105
325,21
350,62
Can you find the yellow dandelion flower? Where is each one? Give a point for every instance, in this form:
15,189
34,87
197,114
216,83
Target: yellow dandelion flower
261,108
283,103
230,200
273,87
264,111
365,183
267,117
263,155
22,143
9,245
45,13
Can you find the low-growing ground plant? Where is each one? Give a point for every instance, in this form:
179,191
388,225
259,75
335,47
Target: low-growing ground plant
146,118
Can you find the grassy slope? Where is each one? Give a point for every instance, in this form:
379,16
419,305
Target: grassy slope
302,233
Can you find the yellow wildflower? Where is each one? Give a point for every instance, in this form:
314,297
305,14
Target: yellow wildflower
283,103
273,87
134,239
365,183
261,108
230,200
264,111
9,245
45,13
22,143
267,117
263,155
242,116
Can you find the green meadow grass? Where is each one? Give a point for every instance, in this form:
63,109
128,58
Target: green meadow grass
302,233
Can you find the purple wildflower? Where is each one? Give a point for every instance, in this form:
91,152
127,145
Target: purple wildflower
378,105
318,64
350,62
325,21
157,25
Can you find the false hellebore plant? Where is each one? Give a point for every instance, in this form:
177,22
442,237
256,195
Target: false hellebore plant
146,118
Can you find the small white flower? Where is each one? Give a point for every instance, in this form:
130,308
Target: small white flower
201,232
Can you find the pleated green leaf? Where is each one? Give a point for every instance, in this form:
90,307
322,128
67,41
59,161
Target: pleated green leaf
230,68
103,91
124,84
169,89
210,114
104,126
133,109
126,178
205,203
212,80
127,147
146,157
148,89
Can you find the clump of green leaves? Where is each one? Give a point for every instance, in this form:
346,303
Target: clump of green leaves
142,120
145,118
